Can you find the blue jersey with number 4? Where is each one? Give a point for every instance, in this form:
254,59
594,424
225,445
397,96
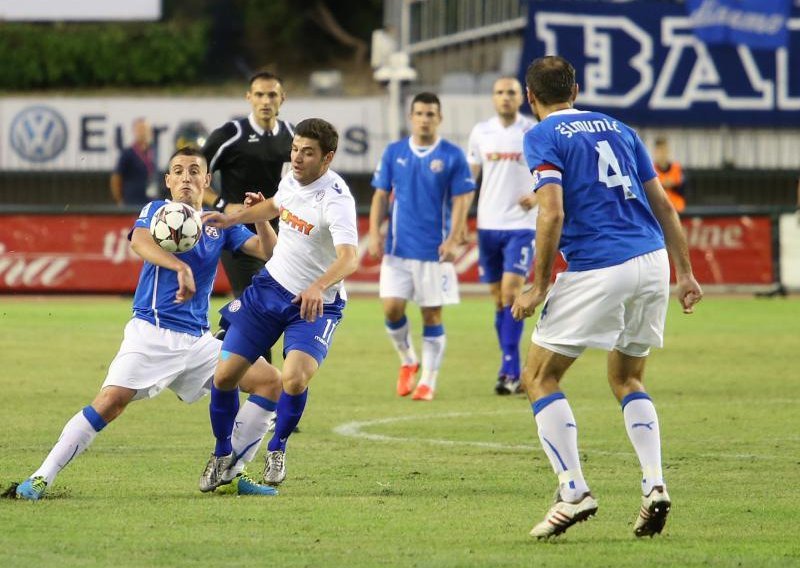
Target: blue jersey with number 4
601,164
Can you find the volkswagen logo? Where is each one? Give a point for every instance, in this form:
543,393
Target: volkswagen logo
38,134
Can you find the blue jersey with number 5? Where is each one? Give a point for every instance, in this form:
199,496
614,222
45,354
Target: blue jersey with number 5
601,164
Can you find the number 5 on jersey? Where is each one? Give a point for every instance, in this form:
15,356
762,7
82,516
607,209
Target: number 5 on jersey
607,159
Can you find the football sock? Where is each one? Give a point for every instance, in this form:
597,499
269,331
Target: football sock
76,436
559,437
400,334
510,334
433,343
290,410
248,431
223,409
641,422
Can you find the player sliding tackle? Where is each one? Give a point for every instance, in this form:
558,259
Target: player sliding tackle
600,202
299,294
167,343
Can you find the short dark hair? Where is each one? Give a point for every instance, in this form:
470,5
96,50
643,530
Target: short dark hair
426,98
320,130
661,141
265,75
189,151
550,79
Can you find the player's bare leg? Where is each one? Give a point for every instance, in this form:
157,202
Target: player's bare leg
434,342
399,331
625,375
298,368
558,434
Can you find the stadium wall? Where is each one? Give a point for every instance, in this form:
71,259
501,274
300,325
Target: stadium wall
90,253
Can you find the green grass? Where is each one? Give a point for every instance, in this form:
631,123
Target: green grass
456,482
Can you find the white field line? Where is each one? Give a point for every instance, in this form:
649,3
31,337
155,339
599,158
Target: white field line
356,429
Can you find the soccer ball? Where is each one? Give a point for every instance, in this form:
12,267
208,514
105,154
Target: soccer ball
176,227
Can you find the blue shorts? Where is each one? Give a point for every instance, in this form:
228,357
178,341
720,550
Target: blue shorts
265,311
504,251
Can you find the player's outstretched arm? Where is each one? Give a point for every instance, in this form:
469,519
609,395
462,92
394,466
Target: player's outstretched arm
377,213
142,243
263,211
688,290
548,234
263,246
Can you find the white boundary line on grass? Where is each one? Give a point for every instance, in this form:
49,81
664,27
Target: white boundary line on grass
356,429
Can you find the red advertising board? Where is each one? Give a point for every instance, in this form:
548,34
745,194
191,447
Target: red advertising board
91,253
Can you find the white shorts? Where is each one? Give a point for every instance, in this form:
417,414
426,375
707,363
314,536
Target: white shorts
151,359
428,283
620,307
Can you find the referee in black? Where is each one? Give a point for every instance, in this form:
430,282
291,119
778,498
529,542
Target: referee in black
250,154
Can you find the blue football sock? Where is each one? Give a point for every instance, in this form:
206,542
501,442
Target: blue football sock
223,409
510,334
290,410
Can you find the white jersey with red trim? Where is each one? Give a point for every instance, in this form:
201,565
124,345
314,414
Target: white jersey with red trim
505,175
314,219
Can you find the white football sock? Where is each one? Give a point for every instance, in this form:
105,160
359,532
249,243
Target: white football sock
248,432
76,436
559,437
641,422
432,355
401,339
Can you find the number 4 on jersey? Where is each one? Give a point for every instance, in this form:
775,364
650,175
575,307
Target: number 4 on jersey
606,160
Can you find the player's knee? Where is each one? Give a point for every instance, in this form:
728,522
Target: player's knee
111,402
295,383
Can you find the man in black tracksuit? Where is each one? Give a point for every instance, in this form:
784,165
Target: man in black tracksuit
250,154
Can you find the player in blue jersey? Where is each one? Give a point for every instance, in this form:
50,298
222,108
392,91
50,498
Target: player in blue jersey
428,183
601,203
506,218
298,294
167,343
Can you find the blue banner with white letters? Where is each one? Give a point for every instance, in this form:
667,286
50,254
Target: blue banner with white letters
760,24
642,63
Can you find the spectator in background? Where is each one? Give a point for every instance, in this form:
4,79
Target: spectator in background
133,180
670,174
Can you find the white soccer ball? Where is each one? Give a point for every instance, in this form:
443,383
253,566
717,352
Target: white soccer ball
176,227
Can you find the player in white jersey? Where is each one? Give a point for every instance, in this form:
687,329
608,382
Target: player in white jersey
506,217
601,203
299,294
167,343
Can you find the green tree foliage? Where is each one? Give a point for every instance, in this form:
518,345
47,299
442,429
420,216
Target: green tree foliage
98,55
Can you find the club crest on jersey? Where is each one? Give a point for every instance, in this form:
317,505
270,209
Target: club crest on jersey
437,166
320,195
295,222
211,232
235,306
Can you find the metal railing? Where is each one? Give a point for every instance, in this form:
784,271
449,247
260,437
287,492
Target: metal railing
434,24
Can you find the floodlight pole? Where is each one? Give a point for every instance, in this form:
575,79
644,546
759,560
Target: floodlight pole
394,73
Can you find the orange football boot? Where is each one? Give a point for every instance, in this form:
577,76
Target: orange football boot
422,392
406,378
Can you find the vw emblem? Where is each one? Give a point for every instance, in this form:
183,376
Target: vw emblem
38,134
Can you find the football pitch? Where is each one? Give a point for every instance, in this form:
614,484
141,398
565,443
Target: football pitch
375,480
